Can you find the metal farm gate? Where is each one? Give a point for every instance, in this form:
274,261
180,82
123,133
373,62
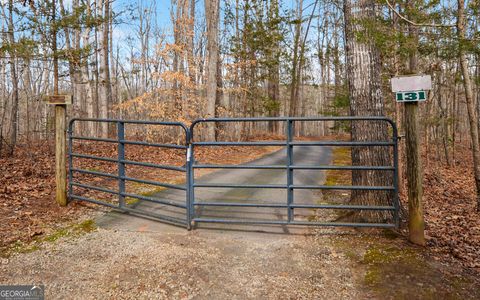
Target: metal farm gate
192,205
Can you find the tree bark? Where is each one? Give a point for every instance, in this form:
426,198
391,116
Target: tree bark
363,67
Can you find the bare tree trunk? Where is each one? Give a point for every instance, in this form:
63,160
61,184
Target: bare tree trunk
177,31
114,72
3,94
87,84
73,59
191,42
295,69
12,139
27,86
105,91
467,84
219,127
366,99
273,83
212,18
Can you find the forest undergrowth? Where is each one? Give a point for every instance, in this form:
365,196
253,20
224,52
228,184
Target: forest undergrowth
452,221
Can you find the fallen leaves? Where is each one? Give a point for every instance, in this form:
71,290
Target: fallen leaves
452,221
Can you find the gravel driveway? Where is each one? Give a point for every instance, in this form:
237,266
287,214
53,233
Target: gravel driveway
129,257
202,264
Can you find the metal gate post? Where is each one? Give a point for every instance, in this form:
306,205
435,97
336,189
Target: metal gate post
190,195
121,163
396,199
70,159
290,194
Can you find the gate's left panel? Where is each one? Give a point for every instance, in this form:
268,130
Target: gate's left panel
133,166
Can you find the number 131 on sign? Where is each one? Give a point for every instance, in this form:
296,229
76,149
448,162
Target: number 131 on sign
411,96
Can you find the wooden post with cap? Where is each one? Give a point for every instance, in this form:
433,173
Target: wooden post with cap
60,102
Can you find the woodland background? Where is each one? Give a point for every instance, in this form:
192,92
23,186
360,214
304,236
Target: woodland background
226,58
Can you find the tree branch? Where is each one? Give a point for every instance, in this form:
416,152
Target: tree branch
413,23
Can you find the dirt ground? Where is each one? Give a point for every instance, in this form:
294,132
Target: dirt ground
160,263
202,265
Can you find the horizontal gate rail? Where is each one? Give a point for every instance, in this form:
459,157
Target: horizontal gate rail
344,187
79,155
296,167
305,223
95,188
155,200
290,167
129,162
151,182
346,144
323,206
94,173
144,164
127,142
268,167
255,143
93,139
153,144
348,168
294,186
122,162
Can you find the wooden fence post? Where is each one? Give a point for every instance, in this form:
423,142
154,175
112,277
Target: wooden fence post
60,153
411,90
416,224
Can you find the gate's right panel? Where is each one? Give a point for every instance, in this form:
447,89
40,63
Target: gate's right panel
298,171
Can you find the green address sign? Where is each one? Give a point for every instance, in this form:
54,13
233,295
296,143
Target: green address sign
411,96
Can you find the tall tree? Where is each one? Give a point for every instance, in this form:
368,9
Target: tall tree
12,139
293,110
105,88
273,63
212,15
363,68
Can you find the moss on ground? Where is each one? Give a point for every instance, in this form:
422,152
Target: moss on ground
341,156
391,269
76,229
146,190
149,193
